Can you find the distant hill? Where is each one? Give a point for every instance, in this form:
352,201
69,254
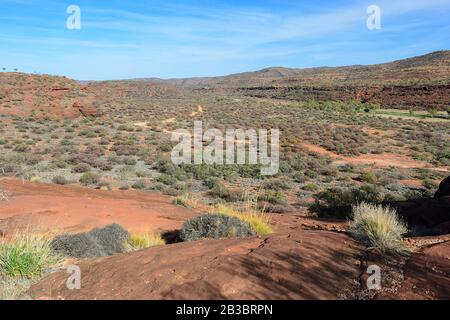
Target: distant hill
43,95
432,68
420,82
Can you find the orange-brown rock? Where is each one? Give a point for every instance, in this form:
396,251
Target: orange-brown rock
87,110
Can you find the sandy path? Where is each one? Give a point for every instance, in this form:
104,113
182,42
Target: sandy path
199,111
380,160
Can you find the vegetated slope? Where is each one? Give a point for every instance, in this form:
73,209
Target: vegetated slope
433,68
422,81
43,95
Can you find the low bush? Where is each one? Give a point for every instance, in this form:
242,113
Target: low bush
311,187
81,168
166,179
368,177
60,180
98,242
338,202
379,227
111,238
186,201
139,185
273,197
219,190
215,226
90,178
276,184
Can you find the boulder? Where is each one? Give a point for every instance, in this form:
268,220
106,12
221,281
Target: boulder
444,189
425,216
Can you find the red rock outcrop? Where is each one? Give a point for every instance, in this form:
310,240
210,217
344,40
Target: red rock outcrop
87,110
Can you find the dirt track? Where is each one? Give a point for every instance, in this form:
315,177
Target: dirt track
379,160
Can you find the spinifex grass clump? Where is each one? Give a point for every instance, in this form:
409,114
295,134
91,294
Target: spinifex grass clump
215,226
26,255
258,221
99,242
379,227
141,241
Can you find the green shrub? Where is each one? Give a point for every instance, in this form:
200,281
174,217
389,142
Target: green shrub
90,178
60,180
81,168
276,184
215,226
299,177
111,238
166,179
105,167
21,148
430,184
378,227
98,242
80,246
273,197
61,164
311,187
139,185
219,190
368,177
337,202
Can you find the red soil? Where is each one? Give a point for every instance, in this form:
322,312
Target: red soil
379,160
426,275
304,259
297,264
69,208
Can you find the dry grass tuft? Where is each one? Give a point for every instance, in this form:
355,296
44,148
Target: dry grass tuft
379,227
257,219
144,240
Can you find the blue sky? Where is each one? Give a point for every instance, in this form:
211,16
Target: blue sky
186,38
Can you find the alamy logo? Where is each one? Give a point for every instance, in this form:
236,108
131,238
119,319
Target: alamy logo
74,281
74,20
374,20
374,280
233,147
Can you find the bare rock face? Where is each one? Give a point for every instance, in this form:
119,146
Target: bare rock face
87,110
444,189
293,265
425,275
